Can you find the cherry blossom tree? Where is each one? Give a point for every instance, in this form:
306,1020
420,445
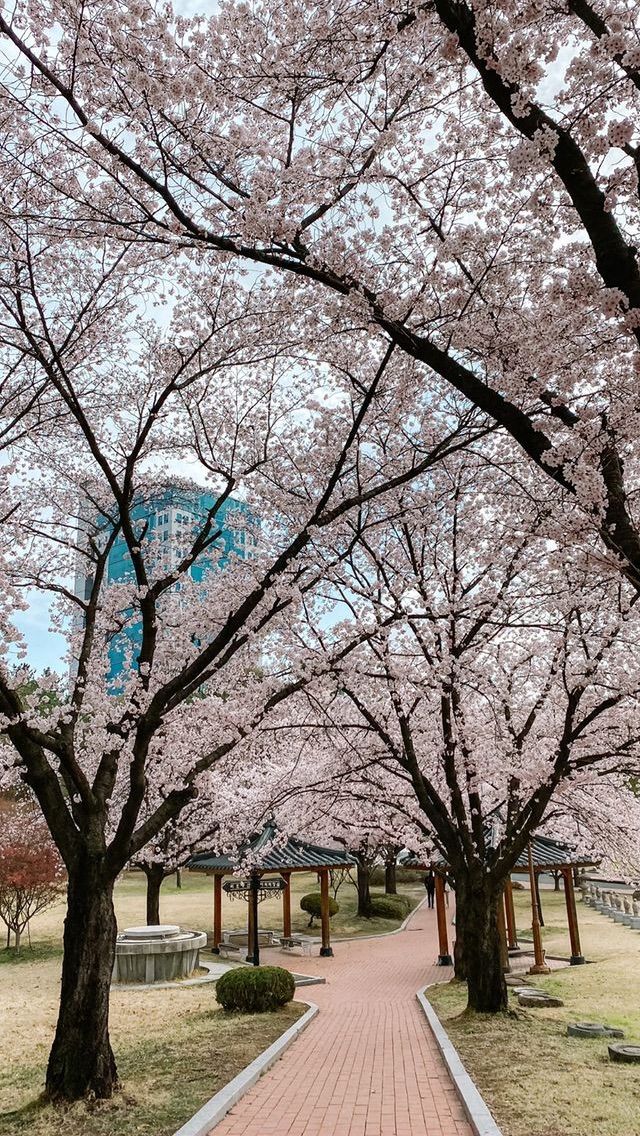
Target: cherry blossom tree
326,796
172,848
502,695
464,175
196,377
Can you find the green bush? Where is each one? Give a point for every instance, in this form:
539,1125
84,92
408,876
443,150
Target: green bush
390,906
312,904
255,990
377,877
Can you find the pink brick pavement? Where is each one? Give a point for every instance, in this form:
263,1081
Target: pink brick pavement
367,1065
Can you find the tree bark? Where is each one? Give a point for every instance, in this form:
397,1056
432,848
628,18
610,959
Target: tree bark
155,876
390,879
81,1062
364,892
481,950
459,969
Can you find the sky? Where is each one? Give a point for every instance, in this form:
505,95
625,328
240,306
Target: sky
45,647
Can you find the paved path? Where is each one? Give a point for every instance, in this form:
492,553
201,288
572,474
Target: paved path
367,1065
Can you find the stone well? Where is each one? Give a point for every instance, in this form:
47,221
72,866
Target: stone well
156,954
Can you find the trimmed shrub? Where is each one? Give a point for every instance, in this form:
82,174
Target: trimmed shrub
255,990
377,877
312,904
409,876
390,906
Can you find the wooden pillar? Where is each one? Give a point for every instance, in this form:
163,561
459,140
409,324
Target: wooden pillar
510,912
286,906
444,958
502,931
538,953
325,949
250,928
538,899
577,958
217,913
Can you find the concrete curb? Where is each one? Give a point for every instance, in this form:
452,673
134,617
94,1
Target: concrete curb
215,1109
382,934
477,1111
200,981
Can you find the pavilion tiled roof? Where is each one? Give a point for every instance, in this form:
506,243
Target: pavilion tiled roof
283,855
546,853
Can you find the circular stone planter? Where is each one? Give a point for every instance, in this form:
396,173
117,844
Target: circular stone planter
625,1054
156,954
592,1029
539,999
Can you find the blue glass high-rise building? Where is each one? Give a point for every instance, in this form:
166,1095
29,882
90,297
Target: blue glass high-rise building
169,520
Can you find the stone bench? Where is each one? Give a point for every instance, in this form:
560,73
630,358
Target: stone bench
229,950
302,941
239,938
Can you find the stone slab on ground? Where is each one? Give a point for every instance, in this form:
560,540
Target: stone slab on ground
538,999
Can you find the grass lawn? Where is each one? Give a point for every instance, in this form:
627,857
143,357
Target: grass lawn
192,906
536,1080
174,1048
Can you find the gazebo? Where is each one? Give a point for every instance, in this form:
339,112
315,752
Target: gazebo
269,853
546,855
542,855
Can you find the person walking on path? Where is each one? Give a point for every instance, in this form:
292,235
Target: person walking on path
430,884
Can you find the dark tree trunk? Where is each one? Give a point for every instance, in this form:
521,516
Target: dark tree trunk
458,945
155,876
178,877
390,880
364,892
480,949
81,1062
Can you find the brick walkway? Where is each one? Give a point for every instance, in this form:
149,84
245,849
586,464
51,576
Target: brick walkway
367,1065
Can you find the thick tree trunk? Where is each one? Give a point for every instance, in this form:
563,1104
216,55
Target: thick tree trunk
458,945
481,950
390,880
364,892
155,876
81,1062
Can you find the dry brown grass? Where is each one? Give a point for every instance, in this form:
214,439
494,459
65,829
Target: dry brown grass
536,1080
174,1048
192,906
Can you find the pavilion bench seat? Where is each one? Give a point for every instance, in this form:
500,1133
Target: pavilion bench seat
303,941
228,949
